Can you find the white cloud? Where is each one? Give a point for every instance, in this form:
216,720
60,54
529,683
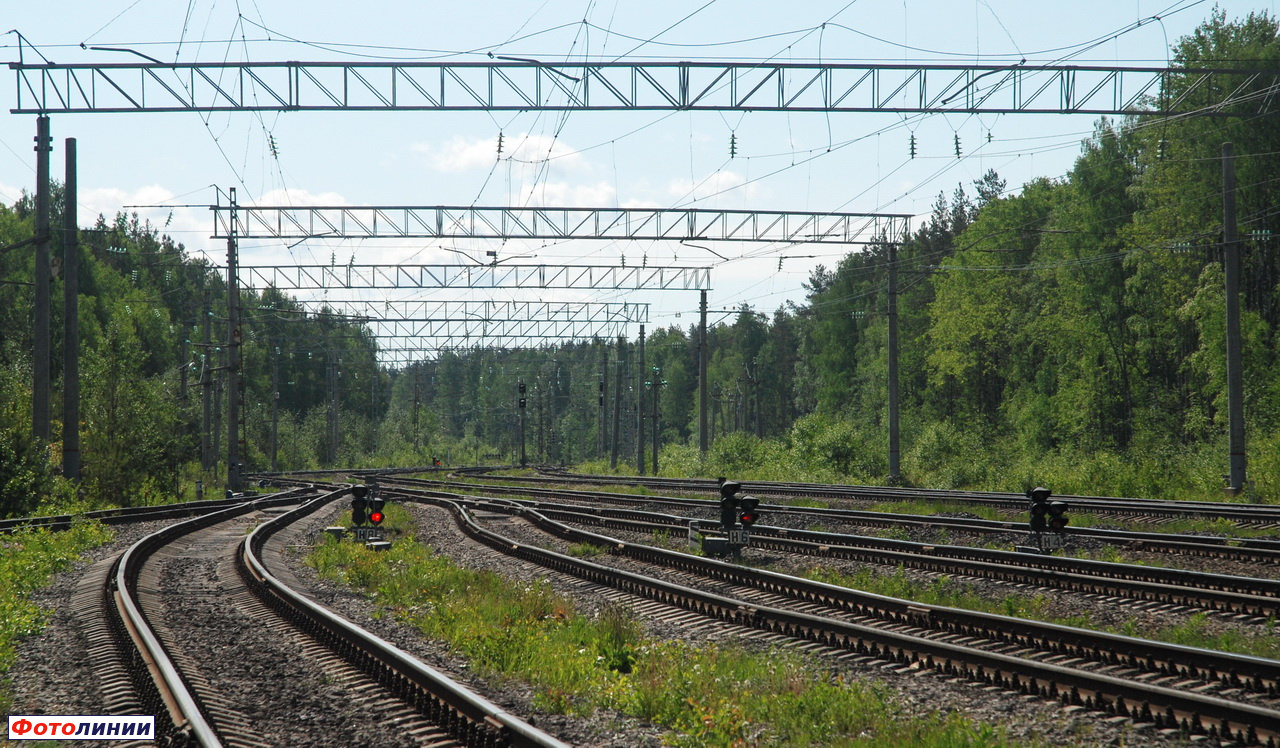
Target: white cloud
190,227
564,194
301,198
10,194
461,154
721,184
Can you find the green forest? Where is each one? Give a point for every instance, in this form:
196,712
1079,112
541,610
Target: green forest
1067,332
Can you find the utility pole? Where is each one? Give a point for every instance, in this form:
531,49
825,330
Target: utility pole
332,366
217,416
702,376
640,409
657,383
604,393
538,391
617,404
275,406
895,475
40,349
234,482
206,386
417,401
71,322
1235,377
524,460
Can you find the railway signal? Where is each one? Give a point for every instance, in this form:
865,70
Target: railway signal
375,511
737,515
728,504
359,505
1058,516
1039,508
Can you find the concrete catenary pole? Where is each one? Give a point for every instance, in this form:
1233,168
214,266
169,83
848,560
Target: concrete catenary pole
70,322
40,385
1235,377
703,440
895,473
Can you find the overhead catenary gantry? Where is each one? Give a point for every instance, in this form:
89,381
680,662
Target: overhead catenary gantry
500,333
455,325
320,277
490,310
557,224
530,85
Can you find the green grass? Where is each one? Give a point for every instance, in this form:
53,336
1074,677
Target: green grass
28,560
1194,632
587,550
707,694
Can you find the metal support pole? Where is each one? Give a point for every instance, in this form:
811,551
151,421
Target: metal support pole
524,460
640,409
275,409
538,391
417,401
332,366
1235,378
206,387
217,416
233,355
604,398
703,440
617,404
40,385
71,321
657,384
895,474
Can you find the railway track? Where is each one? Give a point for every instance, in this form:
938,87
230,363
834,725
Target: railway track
1198,691
198,624
1259,516
1247,550
1249,599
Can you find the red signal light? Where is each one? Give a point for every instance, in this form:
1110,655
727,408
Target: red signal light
748,518
375,517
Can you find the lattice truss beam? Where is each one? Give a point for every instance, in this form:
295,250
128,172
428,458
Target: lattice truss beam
392,334
618,224
415,352
594,277
369,310
715,86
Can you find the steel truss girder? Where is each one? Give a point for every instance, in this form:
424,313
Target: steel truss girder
485,310
501,329
618,224
413,352
662,86
598,277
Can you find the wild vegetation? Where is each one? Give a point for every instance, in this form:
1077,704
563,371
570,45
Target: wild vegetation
1066,332
28,560
708,694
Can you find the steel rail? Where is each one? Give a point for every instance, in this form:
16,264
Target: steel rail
1251,549
1193,711
1151,507
1219,592
125,515
467,715
178,710
1265,670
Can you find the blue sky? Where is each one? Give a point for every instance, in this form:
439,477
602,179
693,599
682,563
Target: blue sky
784,161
